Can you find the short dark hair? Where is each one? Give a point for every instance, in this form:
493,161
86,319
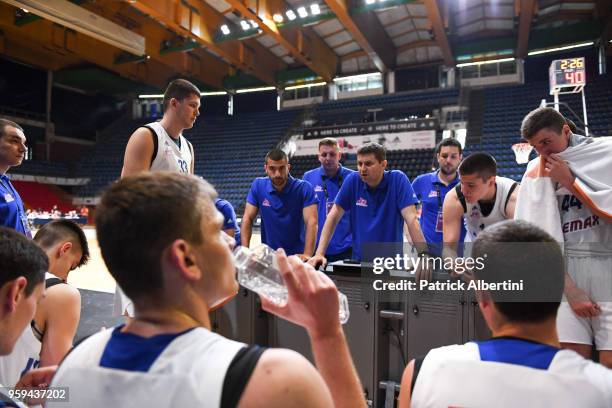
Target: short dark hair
179,89
479,163
541,118
374,148
140,216
329,141
275,155
4,123
57,231
21,257
518,250
449,141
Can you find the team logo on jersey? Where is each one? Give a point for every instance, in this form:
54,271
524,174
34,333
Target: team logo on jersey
362,202
581,224
318,189
433,193
266,203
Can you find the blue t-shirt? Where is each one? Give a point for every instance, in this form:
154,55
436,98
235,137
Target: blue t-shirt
326,190
431,192
229,217
282,221
376,213
12,212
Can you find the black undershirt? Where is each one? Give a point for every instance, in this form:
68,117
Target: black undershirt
238,375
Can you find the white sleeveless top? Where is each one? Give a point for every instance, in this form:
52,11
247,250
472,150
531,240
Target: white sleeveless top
188,372
455,376
25,355
169,157
475,221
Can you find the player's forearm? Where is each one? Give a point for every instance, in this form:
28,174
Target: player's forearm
333,360
310,238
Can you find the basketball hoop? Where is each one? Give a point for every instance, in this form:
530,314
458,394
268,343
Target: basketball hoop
521,152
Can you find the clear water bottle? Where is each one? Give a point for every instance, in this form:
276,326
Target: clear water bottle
258,271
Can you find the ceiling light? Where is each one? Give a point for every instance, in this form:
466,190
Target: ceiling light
495,61
302,12
278,18
370,2
254,24
567,47
315,9
291,15
245,25
248,90
213,93
85,22
225,29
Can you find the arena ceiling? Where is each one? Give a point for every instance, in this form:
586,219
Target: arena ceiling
229,44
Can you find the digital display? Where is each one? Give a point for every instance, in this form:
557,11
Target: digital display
567,72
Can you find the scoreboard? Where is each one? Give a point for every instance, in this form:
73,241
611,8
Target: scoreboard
566,73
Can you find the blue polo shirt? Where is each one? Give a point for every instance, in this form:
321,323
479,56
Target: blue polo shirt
12,211
326,190
376,213
229,217
431,192
282,221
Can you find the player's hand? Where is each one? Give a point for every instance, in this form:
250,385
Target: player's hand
558,170
37,378
318,261
581,304
312,298
425,269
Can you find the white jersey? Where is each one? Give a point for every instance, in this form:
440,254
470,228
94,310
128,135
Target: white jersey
584,233
187,372
475,221
169,156
456,376
25,355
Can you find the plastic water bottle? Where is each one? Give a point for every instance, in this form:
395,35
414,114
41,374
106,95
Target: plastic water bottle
258,271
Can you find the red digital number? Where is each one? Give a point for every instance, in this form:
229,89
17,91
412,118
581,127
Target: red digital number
569,77
579,77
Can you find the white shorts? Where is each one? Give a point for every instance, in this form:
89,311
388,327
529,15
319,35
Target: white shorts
123,304
594,276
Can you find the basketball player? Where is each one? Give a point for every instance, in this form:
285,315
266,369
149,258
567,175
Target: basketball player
21,287
176,271
49,336
162,146
523,364
481,199
327,180
586,318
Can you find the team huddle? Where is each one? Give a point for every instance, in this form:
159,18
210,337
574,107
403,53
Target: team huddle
167,238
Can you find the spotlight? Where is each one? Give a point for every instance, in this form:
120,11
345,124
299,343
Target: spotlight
225,29
254,24
278,18
245,26
314,9
291,15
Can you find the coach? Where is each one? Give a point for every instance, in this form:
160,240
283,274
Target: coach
288,209
431,188
327,180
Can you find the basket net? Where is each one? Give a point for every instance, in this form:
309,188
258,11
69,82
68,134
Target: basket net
521,152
